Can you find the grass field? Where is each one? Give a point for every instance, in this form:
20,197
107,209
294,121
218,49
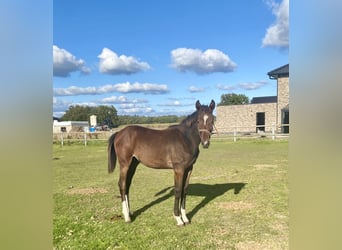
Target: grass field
237,199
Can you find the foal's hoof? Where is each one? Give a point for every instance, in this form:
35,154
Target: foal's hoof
179,221
187,222
128,220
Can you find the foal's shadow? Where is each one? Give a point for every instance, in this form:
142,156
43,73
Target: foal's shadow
209,192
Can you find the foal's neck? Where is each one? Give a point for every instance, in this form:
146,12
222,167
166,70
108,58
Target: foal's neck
193,135
190,129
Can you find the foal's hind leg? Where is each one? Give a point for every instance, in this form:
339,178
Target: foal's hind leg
179,175
130,174
124,198
185,190
126,174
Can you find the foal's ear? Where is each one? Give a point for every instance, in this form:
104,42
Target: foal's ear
198,105
212,105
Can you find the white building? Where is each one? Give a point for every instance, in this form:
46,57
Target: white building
70,126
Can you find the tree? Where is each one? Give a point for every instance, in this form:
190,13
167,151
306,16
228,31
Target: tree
105,115
233,99
77,113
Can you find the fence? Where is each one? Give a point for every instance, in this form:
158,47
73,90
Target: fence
237,133
263,131
84,137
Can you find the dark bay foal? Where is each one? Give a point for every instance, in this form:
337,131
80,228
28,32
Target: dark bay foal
173,148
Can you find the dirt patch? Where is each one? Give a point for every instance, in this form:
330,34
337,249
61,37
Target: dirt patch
254,245
87,191
238,205
116,217
264,166
280,225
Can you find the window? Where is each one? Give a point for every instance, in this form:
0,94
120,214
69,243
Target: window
285,128
260,121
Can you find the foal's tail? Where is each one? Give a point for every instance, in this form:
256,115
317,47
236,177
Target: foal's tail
111,154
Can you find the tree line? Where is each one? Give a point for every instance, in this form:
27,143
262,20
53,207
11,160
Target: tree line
108,115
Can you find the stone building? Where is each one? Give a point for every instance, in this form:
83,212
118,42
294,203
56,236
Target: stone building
263,114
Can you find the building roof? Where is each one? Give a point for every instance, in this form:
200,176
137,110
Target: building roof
264,99
282,71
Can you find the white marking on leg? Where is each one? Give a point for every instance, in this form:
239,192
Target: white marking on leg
179,220
184,217
125,209
128,207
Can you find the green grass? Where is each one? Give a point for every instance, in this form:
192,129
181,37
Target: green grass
238,199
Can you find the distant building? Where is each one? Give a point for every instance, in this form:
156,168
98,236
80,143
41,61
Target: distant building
263,113
93,120
70,126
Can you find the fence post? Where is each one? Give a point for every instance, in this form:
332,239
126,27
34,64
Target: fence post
234,134
62,142
85,139
273,132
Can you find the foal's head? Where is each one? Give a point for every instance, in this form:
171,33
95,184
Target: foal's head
205,122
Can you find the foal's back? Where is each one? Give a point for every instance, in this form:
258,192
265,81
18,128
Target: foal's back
165,148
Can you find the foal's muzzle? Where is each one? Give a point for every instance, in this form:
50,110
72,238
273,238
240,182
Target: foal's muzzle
205,144
205,137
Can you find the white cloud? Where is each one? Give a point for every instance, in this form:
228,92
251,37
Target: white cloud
86,104
60,105
121,100
64,63
245,86
277,35
194,89
74,90
209,61
173,111
225,87
125,105
135,109
175,103
115,99
111,63
146,88
252,85
127,87
58,114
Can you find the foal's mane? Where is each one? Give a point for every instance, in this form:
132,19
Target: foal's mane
190,119
186,122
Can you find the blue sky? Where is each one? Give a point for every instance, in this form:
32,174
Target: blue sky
158,57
